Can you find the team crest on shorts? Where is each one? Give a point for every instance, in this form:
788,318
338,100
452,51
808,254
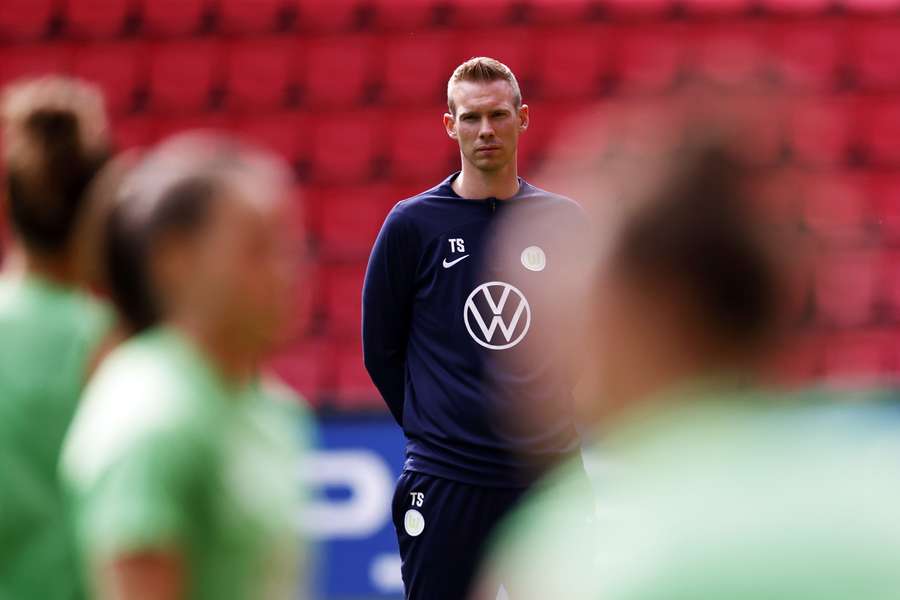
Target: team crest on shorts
414,522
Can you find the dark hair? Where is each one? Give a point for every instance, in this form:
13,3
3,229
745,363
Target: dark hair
700,236
182,210
56,145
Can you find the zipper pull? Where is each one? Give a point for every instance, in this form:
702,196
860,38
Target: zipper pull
493,205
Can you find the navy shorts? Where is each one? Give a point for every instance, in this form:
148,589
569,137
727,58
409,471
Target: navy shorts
443,527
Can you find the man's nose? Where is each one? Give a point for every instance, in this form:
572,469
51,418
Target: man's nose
486,129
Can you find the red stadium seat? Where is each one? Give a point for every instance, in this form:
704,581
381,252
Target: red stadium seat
648,58
96,18
837,208
419,145
354,388
871,6
250,16
857,356
34,61
416,68
821,132
884,196
557,12
25,19
481,13
182,75
729,55
846,288
286,133
167,126
796,7
115,67
639,8
405,15
344,146
258,73
571,61
343,299
349,218
876,55
334,15
807,57
132,132
509,46
173,17
880,123
717,7
338,70
304,367
889,286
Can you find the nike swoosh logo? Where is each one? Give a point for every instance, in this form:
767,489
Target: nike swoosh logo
447,265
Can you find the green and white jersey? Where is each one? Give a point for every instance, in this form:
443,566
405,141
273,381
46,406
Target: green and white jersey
164,456
734,498
48,336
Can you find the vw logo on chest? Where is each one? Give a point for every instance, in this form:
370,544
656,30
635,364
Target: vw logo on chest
501,320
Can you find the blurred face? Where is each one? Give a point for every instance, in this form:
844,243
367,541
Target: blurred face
240,273
487,123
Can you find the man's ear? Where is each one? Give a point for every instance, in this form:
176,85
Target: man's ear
524,117
450,125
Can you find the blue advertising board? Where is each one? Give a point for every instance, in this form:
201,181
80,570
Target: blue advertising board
352,477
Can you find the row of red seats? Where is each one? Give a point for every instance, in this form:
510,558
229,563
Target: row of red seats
30,19
847,289
843,210
367,144
577,62
332,375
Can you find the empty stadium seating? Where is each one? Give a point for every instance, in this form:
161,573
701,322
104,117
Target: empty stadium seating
351,93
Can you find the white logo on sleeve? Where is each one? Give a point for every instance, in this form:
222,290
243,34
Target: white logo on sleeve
534,259
512,327
414,522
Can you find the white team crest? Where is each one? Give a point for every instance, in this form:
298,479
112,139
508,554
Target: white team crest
414,522
533,258
498,327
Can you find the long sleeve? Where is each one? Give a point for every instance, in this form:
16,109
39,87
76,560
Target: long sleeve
387,308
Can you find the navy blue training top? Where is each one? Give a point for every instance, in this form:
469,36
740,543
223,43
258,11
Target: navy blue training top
446,314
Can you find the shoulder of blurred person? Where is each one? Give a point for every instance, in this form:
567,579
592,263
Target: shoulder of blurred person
742,495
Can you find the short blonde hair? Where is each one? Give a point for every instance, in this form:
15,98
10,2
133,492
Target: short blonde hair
483,68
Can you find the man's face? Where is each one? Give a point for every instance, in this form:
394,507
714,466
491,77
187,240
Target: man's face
487,123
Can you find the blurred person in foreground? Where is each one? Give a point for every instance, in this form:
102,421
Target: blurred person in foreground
713,486
52,331
442,307
181,461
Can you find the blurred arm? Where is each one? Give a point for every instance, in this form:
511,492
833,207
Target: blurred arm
387,309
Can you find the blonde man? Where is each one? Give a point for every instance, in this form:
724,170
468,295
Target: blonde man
445,314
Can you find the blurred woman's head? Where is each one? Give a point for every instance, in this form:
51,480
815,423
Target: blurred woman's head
200,237
689,286
55,141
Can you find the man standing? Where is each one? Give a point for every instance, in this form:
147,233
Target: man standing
446,310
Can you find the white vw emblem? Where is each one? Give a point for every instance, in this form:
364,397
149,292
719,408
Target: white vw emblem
508,329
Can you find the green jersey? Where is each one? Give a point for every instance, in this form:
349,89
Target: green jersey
739,499
165,456
48,336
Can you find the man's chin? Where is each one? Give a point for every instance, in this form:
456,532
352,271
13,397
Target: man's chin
489,164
